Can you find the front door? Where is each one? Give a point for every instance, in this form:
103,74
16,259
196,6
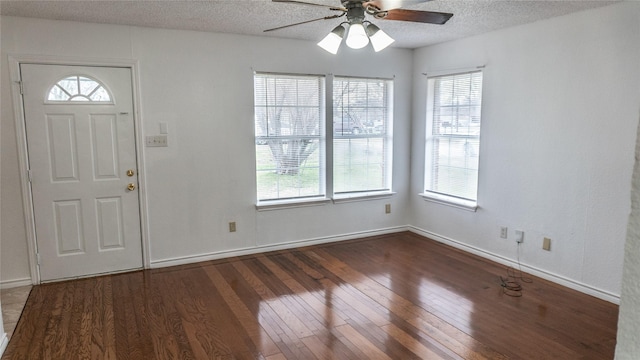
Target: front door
82,159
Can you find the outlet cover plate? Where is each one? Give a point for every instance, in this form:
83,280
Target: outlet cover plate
519,236
503,232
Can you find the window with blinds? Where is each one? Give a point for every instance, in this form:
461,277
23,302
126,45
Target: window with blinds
289,136
453,135
361,135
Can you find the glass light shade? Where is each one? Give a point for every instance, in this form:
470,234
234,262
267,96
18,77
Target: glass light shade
357,37
332,41
379,39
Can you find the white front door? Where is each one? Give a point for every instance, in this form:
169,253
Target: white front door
82,158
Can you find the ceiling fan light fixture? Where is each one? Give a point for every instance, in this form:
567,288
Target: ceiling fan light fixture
332,41
357,38
379,39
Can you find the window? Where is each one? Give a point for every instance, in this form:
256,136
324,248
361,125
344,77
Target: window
292,125
289,136
453,138
78,88
361,135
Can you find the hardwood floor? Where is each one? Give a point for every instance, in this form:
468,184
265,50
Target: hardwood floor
397,296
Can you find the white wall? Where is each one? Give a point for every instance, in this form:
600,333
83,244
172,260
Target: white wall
201,84
561,101
628,344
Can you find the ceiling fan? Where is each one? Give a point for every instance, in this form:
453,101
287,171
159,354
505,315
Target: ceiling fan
362,31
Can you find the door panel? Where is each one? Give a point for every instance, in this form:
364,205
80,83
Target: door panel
64,153
109,218
105,147
87,221
68,224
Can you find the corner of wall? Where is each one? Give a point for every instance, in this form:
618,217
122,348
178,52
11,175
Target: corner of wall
628,346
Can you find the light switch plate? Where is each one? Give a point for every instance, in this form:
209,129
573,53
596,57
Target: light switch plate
156,141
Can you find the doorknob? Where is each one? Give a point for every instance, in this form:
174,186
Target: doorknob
131,186
130,172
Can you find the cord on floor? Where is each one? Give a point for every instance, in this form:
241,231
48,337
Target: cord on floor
510,284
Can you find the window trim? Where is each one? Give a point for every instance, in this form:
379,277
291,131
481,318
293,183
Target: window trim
292,203
449,200
432,196
362,196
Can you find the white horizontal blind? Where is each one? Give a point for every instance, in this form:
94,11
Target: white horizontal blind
453,135
289,123
361,136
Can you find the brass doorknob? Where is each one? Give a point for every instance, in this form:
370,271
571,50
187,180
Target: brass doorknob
131,186
130,172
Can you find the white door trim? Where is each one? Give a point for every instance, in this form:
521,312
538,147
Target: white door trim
21,139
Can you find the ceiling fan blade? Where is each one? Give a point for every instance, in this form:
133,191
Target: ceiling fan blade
305,22
429,17
393,4
308,3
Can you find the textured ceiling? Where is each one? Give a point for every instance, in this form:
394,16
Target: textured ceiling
251,17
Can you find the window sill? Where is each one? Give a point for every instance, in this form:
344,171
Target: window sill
288,204
353,197
338,199
468,205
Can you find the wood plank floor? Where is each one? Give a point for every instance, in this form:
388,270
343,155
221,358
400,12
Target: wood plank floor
397,296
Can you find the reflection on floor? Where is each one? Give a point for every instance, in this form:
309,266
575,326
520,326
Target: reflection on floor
13,301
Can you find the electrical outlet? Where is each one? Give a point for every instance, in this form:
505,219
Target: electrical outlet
387,208
232,226
503,232
546,244
519,236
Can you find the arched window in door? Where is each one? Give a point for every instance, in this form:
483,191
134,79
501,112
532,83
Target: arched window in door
79,88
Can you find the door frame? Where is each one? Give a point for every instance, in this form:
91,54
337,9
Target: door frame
23,155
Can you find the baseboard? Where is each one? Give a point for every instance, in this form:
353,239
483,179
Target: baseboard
9,284
4,340
280,246
558,279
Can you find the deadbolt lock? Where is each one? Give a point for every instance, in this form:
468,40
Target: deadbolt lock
131,186
130,172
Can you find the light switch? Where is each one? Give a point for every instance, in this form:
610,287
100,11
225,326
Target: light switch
164,128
